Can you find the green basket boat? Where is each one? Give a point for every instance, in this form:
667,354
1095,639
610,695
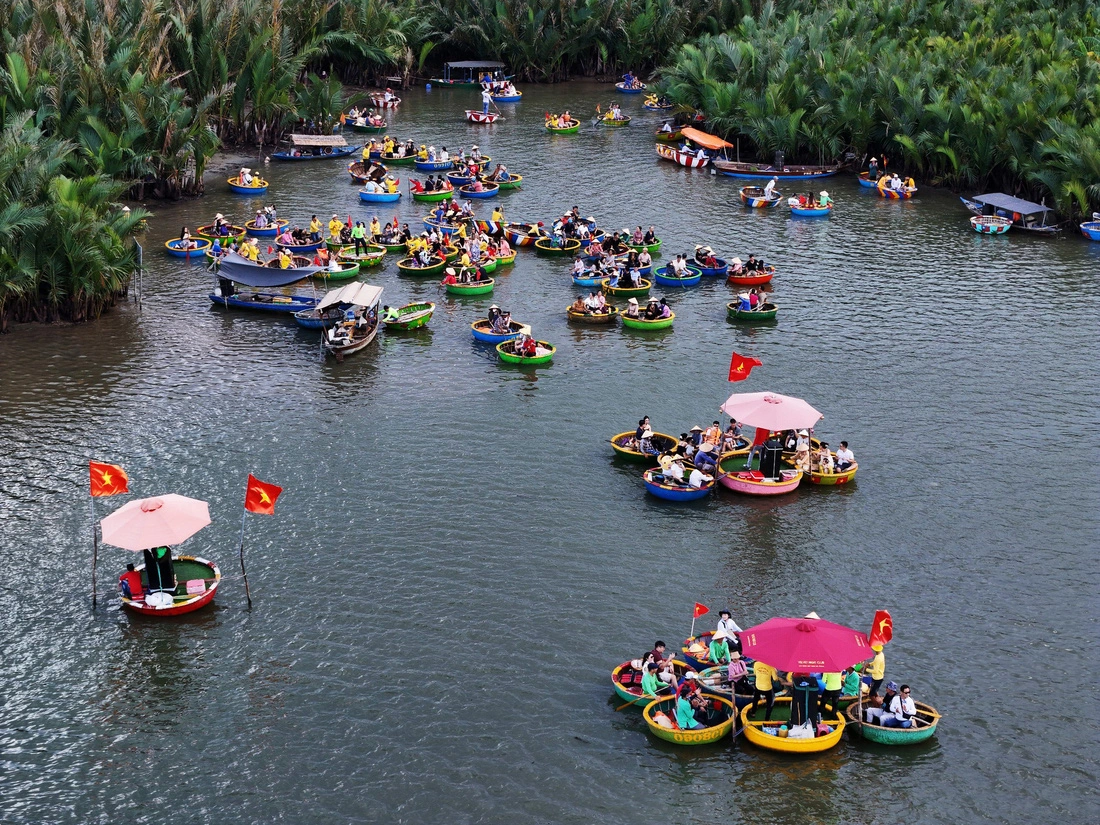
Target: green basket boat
544,246
372,257
652,248
642,323
623,121
507,260
478,288
489,266
923,728
407,266
513,182
628,292
506,351
450,252
767,313
347,271
401,248
564,130
411,316
434,197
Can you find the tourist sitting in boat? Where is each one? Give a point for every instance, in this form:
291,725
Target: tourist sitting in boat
665,309
580,305
744,302
245,176
637,236
879,710
666,128
685,712
845,458
704,457
824,199
186,242
652,310
632,308
652,686
736,267
823,460
449,277
129,584
910,184
719,650
645,443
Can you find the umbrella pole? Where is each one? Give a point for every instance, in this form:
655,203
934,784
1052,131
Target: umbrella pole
95,546
244,573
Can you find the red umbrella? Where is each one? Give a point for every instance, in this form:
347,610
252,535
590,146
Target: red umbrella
805,645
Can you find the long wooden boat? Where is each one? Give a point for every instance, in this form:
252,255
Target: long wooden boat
258,187
434,197
269,231
379,197
593,317
754,278
687,159
176,249
760,171
651,248
546,246
754,729
300,248
812,211
656,485
1091,230
763,312
572,129
482,331
434,165
627,291
360,339
265,301
488,190
507,352
626,680
751,482
608,120
755,198
209,233
834,478
724,716
924,726
642,323
408,266
411,316
636,89
474,288
332,153
477,116
1021,213
721,268
624,444
666,277
990,224
347,270
197,582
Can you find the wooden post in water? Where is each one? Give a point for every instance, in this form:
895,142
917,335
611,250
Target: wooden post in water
244,573
95,546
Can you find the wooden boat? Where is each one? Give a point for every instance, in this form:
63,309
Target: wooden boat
372,257
316,147
734,476
368,127
764,312
642,323
450,252
894,194
209,233
269,231
481,330
265,301
483,287
318,318
482,162
408,266
507,352
1091,230
513,182
175,248
508,98
754,278
608,120
626,680
546,246
411,316
654,104
379,197
258,187
347,270
687,159
436,196
197,582
358,170
434,165
651,248
666,277
360,339
812,211
397,160
593,317
1022,214
865,180
834,478
300,248
754,726
759,171
636,89
656,485
720,269
924,726
695,649
572,129
627,291
754,198
380,102
471,76
488,190
724,716
475,116
519,234
673,137
990,224
625,445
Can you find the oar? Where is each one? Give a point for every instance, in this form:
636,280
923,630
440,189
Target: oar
596,119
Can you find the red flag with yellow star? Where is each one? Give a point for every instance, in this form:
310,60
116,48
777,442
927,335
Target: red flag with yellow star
741,366
108,479
259,496
882,628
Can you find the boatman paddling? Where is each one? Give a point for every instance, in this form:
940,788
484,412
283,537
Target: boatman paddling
486,99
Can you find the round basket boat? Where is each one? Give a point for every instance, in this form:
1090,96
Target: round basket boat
366,128
593,317
627,682
812,212
395,247
545,246
756,729
506,260
513,182
755,278
488,265
300,248
693,276
833,479
397,160
176,249
649,326
636,89
482,331
434,165
721,268
434,197
652,248
627,292
754,197
733,475
372,257
208,232
657,485
507,353
258,187
408,266
924,726
572,129
197,582
624,444
513,98
611,121
379,197
723,714
764,312
478,288
488,190
989,224
347,271
713,682
269,231
411,316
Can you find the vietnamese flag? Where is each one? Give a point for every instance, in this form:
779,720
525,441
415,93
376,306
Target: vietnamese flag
260,496
700,609
108,479
741,366
882,628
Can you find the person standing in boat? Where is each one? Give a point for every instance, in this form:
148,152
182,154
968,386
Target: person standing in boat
486,100
727,625
872,170
764,688
769,188
876,669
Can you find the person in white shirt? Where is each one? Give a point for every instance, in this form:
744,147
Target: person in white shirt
727,624
486,99
675,472
845,458
902,710
770,187
444,154
701,153
698,478
824,458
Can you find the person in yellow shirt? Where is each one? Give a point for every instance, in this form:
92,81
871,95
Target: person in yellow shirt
877,669
335,226
284,259
465,260
315,229
366,153
375,228
254,251
423,153
766,676
498,215
391,184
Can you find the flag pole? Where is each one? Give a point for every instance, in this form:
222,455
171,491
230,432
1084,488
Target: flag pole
244,573
95,545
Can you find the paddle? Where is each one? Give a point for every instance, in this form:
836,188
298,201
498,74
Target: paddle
596,119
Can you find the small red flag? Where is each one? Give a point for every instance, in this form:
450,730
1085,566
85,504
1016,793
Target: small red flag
741,366
700,609
882,628
259,496
270,250
108,479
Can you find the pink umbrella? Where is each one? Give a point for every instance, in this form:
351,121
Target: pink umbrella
805,645
155,522
771,411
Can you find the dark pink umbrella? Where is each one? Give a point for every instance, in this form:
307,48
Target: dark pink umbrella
805,645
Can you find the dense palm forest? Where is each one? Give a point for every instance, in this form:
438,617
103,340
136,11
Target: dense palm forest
102,101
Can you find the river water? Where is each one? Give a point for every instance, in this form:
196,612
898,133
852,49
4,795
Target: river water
458,561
